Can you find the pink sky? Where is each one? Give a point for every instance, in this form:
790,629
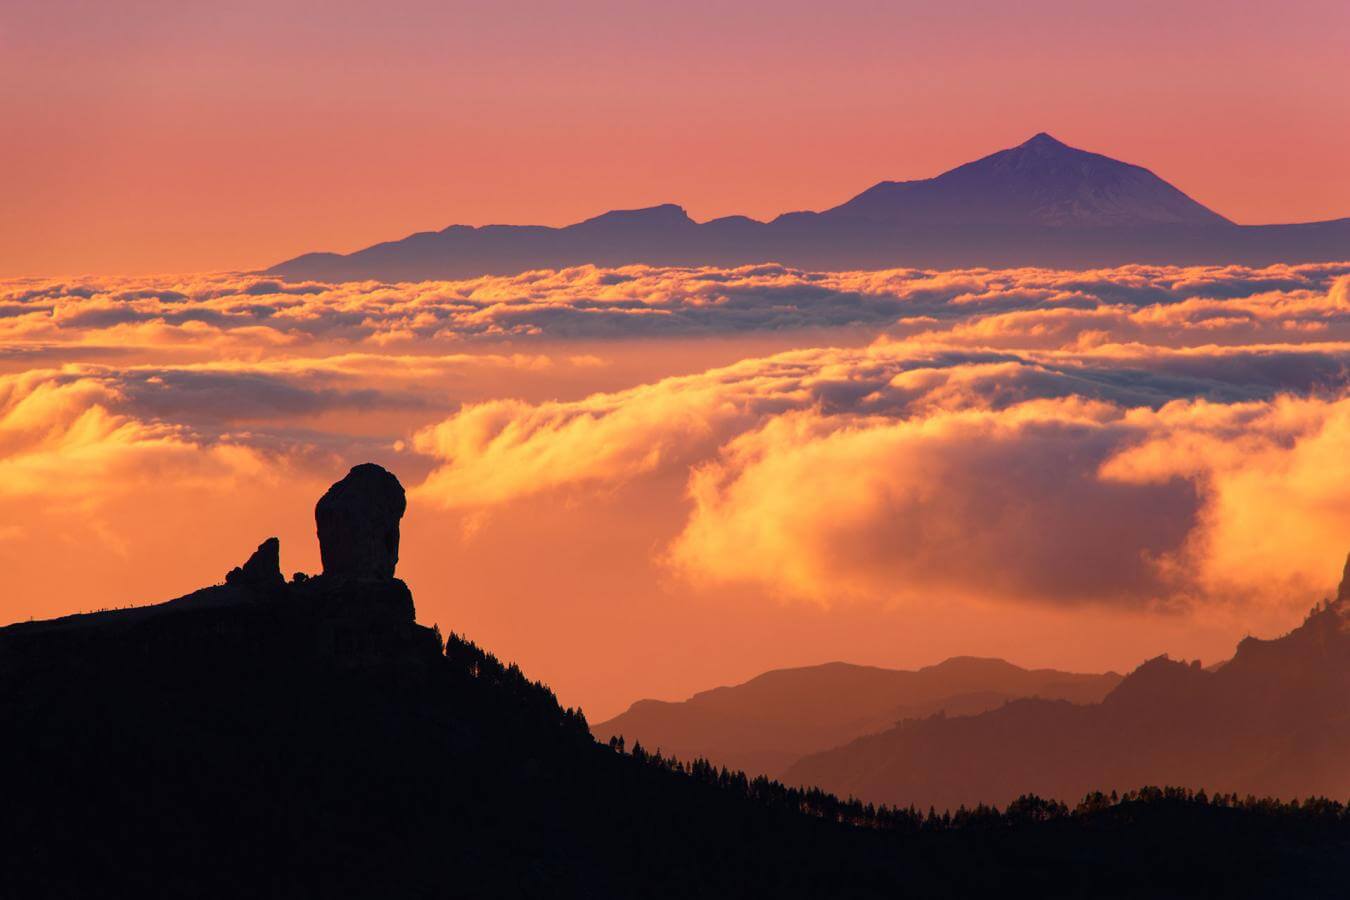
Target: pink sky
167,136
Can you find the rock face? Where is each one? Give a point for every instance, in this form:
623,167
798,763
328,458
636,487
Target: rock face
357,520
355,616
1344,594
263,569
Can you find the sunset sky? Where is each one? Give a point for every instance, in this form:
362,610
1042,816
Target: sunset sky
164,136
649,481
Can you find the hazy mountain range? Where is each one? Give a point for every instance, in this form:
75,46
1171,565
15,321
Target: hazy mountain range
768,723
1040,203
1272,720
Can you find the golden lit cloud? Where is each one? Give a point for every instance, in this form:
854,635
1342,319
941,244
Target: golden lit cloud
61,440
1275,478
907,471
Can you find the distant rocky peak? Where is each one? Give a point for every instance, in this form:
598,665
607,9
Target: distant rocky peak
1343,594
1043,142
665,215
1043,137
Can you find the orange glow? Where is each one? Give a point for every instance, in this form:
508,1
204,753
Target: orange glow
158,136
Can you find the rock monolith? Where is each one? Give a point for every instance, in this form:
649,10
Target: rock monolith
263,569
357,520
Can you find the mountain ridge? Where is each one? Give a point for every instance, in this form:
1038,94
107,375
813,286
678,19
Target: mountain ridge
763,725
1271,720
1040,203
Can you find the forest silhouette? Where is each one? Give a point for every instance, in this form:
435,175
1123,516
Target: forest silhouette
307,738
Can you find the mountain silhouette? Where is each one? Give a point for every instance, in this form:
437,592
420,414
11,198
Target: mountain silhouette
1040,182
774,719
1272,720
1041,203
308,738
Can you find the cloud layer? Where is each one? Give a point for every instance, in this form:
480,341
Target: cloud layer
1134,438
251,314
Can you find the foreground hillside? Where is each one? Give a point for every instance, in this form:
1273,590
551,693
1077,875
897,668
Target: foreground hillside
768,723
1272,720
309,739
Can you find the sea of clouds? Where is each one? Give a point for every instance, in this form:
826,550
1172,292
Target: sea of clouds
1145,437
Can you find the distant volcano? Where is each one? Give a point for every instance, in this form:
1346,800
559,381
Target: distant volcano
1041,182
1040,203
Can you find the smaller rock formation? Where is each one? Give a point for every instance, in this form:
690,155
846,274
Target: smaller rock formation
1344,595
263,569
357,521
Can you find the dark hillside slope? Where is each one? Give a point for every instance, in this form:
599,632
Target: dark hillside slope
308,739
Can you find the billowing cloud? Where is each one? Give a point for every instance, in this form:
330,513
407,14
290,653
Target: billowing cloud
500,450
910,471
1276,481
973,504
1050,500
64,440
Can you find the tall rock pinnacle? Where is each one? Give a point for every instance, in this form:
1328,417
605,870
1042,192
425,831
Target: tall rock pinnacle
357,520
263,569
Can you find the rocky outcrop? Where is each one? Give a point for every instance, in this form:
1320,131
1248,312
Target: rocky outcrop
357,521
263,569
356,614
